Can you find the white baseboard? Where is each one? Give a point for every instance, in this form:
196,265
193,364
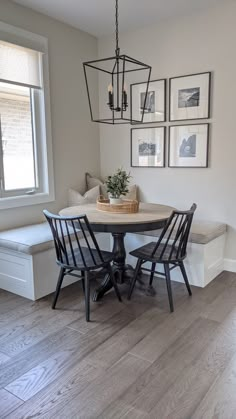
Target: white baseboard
230,265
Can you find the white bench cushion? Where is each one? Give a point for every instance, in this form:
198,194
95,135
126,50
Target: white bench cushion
38,237
29,239
202,232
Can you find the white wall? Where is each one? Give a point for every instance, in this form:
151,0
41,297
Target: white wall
204,42
75,138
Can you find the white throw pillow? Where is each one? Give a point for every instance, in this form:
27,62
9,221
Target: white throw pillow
90,197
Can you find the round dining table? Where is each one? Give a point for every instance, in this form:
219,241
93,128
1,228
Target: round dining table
149,217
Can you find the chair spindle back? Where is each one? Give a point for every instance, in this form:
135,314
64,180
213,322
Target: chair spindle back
175,234
68,232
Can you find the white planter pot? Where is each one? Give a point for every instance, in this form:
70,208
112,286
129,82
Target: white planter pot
115,201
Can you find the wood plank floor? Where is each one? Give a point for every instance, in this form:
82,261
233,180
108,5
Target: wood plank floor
134,360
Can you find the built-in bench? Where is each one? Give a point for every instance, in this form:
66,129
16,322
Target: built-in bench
28,267
205,259
28,261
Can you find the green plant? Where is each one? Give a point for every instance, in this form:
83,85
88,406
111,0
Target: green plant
117,184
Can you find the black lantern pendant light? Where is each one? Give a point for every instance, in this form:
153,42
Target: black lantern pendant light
115,76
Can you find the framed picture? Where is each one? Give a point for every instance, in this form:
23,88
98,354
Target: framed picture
155,104
148,147
190,97
188,145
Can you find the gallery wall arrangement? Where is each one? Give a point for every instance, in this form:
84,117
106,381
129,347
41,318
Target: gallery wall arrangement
188,143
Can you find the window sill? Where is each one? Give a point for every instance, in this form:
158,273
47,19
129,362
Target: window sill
26,200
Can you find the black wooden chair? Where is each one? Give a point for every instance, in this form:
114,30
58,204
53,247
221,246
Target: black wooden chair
73,257
169,250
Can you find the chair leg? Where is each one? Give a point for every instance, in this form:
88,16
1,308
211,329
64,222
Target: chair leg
82,279
168,285
87,295
182,268
152,274
58,288
114,283
136,272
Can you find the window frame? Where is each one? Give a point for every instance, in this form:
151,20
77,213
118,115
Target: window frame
41,129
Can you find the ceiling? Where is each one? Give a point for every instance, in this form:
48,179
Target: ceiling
97,16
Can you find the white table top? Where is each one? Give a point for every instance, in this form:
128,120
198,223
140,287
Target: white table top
148,213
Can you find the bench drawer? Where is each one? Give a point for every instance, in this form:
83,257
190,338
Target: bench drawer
16,273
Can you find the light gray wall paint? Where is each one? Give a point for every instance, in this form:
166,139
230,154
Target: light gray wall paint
205,42
75,138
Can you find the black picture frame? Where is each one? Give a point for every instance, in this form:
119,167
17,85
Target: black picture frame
206,165
208,92
160,121
163,128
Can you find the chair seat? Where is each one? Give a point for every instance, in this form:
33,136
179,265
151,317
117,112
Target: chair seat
89,262
145,252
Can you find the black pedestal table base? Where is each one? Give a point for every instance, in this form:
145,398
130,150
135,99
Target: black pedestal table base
123,273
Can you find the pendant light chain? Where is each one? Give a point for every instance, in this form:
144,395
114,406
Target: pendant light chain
117,30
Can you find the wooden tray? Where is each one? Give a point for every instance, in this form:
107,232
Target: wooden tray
126,207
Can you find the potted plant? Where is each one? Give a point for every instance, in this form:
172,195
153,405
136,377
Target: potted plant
117,185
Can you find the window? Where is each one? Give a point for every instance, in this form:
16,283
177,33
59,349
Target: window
18,158
26,175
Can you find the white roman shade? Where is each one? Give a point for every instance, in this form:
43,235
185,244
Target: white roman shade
20,65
